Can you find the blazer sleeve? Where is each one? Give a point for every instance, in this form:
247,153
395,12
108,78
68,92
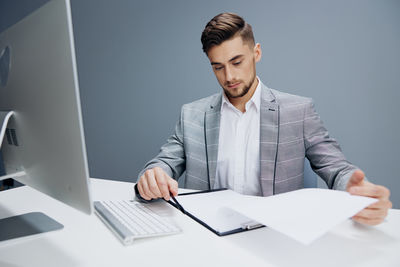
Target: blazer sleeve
324,153
171,157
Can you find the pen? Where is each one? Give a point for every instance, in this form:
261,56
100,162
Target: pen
177,204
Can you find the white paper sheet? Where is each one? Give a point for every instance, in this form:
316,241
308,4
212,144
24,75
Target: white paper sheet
215,209
305,214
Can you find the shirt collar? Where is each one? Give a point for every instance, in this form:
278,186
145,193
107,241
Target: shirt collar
255,99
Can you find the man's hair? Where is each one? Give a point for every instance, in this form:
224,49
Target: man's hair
223,27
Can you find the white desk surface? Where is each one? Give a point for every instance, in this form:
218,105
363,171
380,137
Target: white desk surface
86,241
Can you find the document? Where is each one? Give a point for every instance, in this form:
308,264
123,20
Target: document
304,215
214,208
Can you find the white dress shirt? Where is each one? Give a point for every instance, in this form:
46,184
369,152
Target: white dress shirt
238,165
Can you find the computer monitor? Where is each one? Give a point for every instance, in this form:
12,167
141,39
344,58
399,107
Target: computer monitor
43,145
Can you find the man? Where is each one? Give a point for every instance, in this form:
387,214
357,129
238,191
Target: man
250,138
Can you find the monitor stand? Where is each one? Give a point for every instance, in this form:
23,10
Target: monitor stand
25,224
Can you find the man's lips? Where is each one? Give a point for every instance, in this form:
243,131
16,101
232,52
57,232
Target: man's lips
234,85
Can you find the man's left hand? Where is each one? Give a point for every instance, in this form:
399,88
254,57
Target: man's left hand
375,213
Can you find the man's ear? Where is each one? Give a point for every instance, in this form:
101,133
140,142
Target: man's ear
257,52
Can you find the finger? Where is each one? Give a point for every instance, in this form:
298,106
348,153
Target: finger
162,182
372,213
370,190
356,178
145,188
173,186
145,184
367,221
142,194
382,204
153,186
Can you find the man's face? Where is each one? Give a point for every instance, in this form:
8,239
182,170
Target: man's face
234,65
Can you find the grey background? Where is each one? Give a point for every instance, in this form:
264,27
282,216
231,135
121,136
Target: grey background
139,61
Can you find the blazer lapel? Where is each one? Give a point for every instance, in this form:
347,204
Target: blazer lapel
212,118
269,139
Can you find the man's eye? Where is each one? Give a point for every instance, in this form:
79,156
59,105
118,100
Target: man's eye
237,62
218,68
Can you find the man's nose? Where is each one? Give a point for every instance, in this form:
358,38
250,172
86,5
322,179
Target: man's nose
229,74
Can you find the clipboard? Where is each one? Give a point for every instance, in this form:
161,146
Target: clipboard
246,226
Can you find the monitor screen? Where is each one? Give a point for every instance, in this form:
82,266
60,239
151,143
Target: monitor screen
43,145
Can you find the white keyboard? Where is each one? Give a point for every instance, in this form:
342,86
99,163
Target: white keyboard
130,220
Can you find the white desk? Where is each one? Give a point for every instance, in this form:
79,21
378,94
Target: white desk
86,241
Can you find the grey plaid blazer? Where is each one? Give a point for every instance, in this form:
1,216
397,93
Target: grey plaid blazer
290,130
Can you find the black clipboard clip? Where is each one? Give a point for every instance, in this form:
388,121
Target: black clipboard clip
251,225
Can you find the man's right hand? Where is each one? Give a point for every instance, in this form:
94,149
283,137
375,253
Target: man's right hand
155,183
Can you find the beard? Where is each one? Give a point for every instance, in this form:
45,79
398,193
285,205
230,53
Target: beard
239,92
